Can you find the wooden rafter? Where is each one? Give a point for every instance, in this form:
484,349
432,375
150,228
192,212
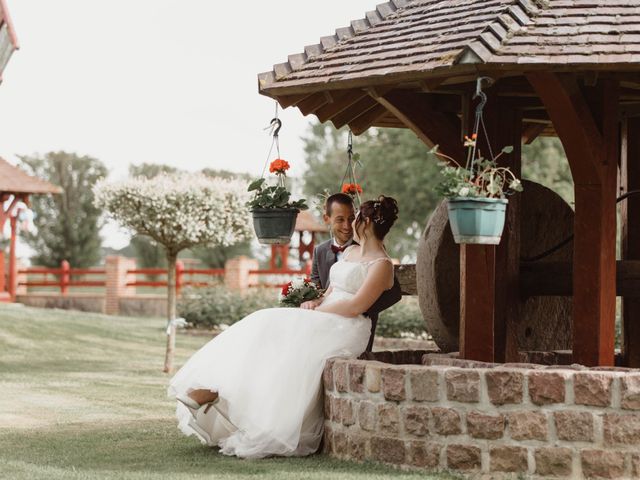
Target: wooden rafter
340,101
313,102
360,124
350,114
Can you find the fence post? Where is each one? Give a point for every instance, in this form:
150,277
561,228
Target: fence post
64,277
116,268
179,273
236,273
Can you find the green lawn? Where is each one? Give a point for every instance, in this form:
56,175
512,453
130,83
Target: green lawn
83,397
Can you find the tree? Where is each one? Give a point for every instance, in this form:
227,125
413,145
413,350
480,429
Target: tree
68,224
179,211
545,162
394,162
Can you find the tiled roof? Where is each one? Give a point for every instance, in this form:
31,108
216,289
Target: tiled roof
411,39
15,180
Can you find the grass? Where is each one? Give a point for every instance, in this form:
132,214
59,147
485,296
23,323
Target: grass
83,397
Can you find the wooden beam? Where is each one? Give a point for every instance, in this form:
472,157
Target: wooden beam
588,128
313,102
364,121
430,125
630,216
532,131
361,107
290,100
340,101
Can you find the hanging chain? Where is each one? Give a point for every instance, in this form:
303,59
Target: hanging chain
350,172
274,129
479,121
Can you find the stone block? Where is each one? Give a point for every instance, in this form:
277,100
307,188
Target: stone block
424,454
339,448
335,409
527,425
504,386
463,385
389,450
416,420
367,416
508,459
593,389
373,378
327,440
340,376
357,447
327,406
480,425
356,377
546,387
630,392
574,426
602,463
389,419
393,383
347,415
424,385
621,429
553,462
463,457
446,421
327,376
635,465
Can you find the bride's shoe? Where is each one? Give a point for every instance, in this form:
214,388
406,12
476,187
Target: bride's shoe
194,406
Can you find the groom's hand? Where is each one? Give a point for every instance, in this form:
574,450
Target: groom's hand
311,304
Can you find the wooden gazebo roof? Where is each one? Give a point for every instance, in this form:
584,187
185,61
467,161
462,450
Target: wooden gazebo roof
436,45
15,181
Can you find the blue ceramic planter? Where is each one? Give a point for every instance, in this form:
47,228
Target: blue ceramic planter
477,220
274,226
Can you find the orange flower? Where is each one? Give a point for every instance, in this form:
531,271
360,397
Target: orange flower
351,188
279,166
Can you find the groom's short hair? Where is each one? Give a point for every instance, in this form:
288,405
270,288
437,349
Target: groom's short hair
341,198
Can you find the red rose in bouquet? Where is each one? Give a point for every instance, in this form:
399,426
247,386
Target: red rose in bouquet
298,291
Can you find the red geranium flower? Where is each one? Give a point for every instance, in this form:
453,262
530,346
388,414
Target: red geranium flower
351,188
285,289
279,166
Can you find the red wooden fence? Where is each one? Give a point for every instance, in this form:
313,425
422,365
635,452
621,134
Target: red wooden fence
63,277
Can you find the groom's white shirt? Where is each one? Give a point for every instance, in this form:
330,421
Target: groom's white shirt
340,254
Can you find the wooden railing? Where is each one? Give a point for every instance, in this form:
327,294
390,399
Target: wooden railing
63,277
181,273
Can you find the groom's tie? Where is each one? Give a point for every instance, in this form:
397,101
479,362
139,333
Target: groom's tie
336,249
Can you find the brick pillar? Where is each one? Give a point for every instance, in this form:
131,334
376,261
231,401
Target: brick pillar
116,278
21,278
236,273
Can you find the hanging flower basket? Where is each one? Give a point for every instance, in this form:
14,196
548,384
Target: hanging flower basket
477,220
274,226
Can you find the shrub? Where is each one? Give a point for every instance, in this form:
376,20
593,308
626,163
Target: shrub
404,319
212,306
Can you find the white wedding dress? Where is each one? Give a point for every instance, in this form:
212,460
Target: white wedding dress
267,370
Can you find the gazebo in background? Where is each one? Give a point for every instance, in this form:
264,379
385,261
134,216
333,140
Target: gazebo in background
307,228
561,67
15,187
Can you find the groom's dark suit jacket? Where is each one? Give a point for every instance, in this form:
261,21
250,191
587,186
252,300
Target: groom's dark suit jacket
324,258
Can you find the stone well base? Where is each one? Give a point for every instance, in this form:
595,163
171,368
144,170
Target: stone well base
484,420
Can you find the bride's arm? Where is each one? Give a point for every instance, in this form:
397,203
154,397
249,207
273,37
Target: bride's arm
313,304
376,282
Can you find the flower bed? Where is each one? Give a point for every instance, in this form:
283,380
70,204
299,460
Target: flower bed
436,412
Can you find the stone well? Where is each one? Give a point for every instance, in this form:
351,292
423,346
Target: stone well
434,412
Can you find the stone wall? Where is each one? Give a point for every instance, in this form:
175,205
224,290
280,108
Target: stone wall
489,421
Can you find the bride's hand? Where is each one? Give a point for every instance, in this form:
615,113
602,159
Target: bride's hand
311,304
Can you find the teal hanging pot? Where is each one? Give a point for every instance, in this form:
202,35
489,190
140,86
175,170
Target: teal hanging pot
274,226
477,220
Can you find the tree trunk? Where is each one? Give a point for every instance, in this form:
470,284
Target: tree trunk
171,310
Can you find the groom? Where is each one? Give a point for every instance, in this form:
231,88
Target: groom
339,215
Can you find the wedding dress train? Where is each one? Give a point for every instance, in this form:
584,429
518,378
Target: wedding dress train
267,370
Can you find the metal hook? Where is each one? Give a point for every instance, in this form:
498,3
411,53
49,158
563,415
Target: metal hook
276,129
481,94
350,143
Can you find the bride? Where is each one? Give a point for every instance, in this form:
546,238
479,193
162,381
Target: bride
255,389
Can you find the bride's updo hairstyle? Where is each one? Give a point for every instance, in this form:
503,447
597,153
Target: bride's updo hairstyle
382,213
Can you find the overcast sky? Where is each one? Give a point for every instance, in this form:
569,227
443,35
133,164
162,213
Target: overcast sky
165,81
161,81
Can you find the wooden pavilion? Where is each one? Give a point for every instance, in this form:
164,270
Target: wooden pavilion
15,186
569,68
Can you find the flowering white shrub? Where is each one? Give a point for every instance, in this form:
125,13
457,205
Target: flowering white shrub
178,211
181,210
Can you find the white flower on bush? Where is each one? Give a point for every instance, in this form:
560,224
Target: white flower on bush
464,192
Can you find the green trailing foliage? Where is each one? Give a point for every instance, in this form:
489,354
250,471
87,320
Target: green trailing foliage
272,196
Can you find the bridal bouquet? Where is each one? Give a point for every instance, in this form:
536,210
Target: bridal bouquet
299,291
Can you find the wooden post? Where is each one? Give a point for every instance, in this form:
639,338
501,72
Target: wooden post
587,125
489,275
64,277
630,216
13,270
